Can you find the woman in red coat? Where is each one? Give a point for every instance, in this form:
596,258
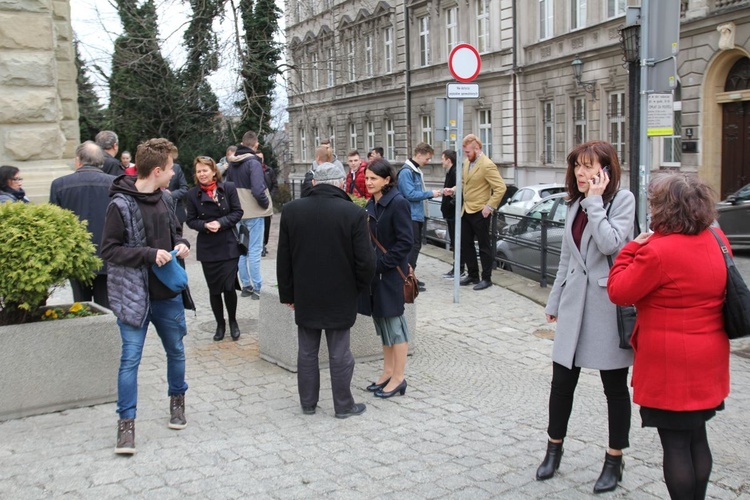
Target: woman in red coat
676,277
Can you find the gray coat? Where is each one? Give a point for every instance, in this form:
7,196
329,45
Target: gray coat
586,319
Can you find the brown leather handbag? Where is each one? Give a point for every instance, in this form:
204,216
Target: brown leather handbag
411,288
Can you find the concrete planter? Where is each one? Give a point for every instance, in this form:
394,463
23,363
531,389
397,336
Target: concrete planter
51,366
277,334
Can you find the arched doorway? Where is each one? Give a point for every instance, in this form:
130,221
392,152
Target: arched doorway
735,132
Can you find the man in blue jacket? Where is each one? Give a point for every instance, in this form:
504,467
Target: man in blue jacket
411,186
85,192
246,172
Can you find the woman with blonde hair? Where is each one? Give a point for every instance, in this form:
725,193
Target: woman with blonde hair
676,277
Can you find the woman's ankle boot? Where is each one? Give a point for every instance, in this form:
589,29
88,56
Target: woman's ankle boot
221,329
611,473
551,461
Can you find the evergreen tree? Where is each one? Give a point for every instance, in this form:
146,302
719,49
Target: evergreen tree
90,112
143,88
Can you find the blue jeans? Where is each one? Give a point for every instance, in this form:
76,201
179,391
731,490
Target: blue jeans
168,316
250,263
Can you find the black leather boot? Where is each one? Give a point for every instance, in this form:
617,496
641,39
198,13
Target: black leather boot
551,461
234,330
611,473
221,329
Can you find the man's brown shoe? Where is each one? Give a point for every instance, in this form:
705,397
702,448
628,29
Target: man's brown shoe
177,412
125,437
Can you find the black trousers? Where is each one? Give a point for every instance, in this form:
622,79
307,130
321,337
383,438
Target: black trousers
266,229
475,226
615,384
96,291
416,228
341,367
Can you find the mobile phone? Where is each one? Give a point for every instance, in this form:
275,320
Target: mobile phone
606,169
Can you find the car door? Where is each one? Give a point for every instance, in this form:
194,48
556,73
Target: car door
734,217
526,250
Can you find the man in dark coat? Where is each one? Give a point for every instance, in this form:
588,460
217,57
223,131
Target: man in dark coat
324,261
85,192
107,140
178,188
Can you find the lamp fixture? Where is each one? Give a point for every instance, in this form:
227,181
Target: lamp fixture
630,39
589,86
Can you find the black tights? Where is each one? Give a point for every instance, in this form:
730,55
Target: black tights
217,306
687,462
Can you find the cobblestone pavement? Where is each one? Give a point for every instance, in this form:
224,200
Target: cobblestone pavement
471,425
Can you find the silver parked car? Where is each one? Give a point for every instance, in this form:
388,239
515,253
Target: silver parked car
526,197
519,245
734,216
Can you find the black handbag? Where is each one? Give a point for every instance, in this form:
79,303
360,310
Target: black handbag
737,299
626,315
243,238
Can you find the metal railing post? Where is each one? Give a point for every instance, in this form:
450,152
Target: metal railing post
543,253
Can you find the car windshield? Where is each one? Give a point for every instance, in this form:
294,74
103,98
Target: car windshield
543,206
550,191
743,194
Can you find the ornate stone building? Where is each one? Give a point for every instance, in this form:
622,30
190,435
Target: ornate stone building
366,73
38,93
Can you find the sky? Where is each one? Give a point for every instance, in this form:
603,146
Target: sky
96,25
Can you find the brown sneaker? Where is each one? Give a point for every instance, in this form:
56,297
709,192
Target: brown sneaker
125,437
177,412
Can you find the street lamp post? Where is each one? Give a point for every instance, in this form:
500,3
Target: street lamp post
630,39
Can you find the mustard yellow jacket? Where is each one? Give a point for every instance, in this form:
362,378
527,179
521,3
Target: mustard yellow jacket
483,186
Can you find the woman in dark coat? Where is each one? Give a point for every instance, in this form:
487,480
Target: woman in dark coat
389,216
11,185
213,209
676,277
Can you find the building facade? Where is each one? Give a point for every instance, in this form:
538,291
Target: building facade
367,73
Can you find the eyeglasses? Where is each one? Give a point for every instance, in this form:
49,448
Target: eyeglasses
17,179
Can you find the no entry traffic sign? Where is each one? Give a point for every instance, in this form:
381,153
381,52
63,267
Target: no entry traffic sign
464,62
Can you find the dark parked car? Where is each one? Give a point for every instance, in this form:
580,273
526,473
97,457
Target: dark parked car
519,245
734,216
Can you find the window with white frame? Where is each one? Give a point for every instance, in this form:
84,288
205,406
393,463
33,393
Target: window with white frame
332,137
451,28
302,145
616,119
329,68
546,22
577,14
370,127
579,120
424,40
315,72
390,140
350,59
368,55
616,8
548,131
485,131
483,25
388,49
352,136
316,136
671,146
426,122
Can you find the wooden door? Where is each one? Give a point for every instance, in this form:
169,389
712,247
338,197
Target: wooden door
735,171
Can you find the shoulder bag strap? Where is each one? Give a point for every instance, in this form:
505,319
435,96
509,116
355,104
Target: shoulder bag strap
382,249
724,250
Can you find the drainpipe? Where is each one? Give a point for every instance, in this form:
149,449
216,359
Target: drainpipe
407,78
515,95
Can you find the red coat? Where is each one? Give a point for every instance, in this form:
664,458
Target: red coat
677,283
356,186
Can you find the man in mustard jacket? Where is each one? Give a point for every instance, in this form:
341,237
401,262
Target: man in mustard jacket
483,188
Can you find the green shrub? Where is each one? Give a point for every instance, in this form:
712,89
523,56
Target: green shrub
281,196
360,202
43,245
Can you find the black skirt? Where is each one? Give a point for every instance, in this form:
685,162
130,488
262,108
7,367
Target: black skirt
677,420
221,276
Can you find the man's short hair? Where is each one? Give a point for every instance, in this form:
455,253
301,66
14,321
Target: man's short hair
106,139
325,142
451,155
250,138
323,154
379,151
423,149
353,152
471,138
151,154
89,153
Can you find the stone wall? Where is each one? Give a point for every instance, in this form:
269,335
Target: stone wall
38,93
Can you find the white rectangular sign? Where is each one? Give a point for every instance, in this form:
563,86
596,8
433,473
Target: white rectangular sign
463,91
660,115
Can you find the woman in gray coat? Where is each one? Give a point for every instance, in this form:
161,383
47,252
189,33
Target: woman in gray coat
599,223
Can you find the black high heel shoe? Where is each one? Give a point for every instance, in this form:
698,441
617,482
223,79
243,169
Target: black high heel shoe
551,461
611,473
375,387
401,389
221,329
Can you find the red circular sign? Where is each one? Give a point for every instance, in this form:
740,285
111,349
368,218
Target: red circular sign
464,62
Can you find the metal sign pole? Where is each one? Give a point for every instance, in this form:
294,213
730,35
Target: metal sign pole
645,160
459,198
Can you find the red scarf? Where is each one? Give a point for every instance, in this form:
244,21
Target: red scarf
210,189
